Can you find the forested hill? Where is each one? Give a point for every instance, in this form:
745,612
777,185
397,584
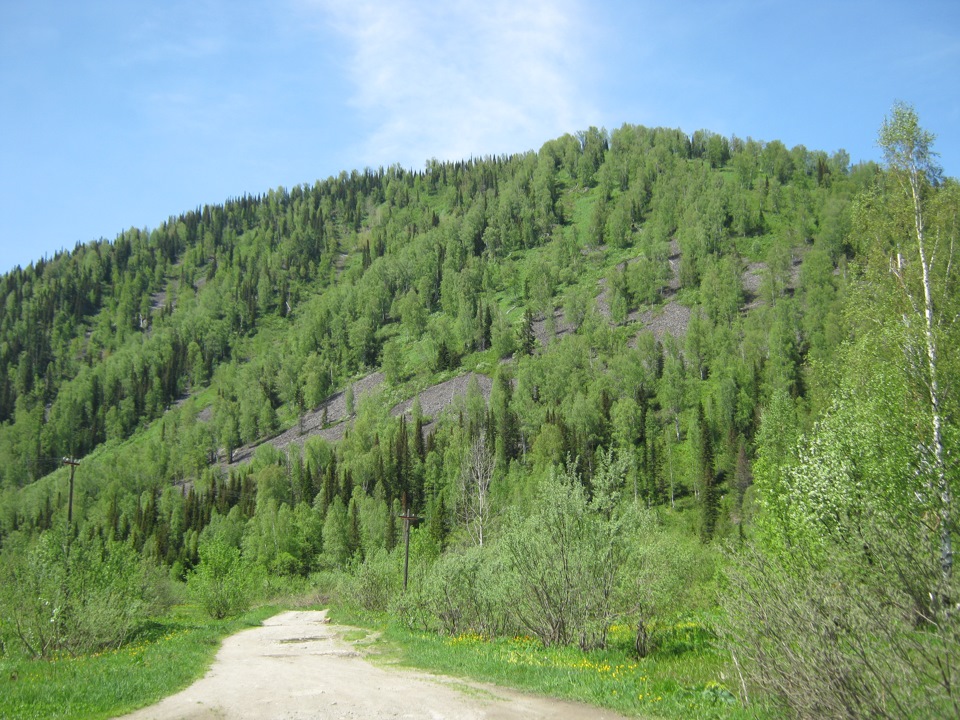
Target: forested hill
261,308
400,269
683,339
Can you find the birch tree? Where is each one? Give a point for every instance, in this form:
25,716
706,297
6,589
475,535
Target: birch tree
475,476
908,151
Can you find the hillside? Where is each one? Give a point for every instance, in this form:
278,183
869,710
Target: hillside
650,320
391,267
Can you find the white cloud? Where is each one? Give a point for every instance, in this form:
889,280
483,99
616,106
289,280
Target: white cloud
455,79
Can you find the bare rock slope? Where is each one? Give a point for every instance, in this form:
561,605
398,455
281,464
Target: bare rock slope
433,401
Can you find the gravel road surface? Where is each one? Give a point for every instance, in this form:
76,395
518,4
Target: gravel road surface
297,666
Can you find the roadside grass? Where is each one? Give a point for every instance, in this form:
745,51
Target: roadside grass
685,677
167,655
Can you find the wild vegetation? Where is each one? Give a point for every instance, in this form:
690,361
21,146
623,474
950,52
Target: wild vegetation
718,384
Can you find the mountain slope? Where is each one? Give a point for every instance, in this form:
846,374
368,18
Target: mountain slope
263,307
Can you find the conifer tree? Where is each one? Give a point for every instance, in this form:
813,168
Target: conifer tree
709,497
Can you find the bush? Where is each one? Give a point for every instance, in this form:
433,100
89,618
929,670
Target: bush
463,592
663,571
58,594
831,636
221,582
565,571
565,561
375,582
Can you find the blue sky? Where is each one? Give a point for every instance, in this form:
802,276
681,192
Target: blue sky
121,113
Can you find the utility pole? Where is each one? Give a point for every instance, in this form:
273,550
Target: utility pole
407,519
73,466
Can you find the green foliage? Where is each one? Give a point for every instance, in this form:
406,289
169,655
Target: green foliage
841,637
465,591
376,581
847,604
336,528
568,559
526,340
61,595
221,583
565,571
905,144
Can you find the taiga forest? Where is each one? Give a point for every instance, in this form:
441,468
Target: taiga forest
686,401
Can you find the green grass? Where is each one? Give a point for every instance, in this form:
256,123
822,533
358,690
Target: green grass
582,201
686,677
755,247
353,636
167,656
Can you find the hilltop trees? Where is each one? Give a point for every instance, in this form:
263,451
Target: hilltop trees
363,266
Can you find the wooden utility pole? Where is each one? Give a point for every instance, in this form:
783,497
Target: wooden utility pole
407,519
73,466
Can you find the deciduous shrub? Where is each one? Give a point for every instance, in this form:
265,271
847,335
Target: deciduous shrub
465,591
221,582
58,594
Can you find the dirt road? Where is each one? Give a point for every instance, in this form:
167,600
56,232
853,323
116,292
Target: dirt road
296,666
